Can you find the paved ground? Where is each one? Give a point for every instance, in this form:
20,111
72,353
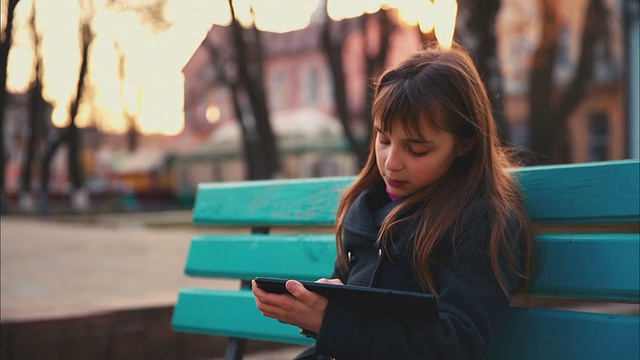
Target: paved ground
54,269
71,267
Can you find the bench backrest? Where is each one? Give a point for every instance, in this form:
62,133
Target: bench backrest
587,214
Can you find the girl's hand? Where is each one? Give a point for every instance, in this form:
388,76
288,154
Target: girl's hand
303,308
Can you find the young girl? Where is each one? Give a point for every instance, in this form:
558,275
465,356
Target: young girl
433,210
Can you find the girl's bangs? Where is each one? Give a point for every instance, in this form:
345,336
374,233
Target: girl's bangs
414,108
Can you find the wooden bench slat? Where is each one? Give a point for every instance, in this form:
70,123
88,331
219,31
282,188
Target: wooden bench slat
602,266
583,193
270,203
558,334
305,257
594,266
539,333
571,193
232,314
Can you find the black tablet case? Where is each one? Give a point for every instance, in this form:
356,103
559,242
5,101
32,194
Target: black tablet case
401,305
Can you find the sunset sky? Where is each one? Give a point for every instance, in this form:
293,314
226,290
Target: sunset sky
154,55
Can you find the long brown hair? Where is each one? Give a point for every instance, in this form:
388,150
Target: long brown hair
443,88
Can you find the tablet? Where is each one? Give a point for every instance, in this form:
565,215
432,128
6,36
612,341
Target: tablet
402,305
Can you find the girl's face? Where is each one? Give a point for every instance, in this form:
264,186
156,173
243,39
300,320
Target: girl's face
408,164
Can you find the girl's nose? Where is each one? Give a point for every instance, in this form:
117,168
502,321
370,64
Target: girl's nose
393,161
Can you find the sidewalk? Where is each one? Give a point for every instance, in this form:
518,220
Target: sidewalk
110,276
61,269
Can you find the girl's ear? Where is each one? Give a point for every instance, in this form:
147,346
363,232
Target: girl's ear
465,146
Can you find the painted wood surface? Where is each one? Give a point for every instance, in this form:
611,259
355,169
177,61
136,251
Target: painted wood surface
581,193
232,314
303,257
589,266
600,266
524,334
271,203
540,334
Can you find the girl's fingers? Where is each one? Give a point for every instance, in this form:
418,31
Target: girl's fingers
308,298
330,281
301,308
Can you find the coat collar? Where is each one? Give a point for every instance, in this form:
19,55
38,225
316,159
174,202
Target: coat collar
368,211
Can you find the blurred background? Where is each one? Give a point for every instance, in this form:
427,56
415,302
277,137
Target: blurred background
114,110
115,105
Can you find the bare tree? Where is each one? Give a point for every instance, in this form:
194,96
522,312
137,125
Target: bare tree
5,46
376,29
333,36
129,117
36,127
550,106
476,31
70,135
250,101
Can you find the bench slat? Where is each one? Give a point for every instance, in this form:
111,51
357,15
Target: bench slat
303,257
269,203
571,193
592,266
558,334
597,192
540,333
232,314
602,266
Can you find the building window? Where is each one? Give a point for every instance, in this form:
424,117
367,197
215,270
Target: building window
311,87
281,93
598,136
564,67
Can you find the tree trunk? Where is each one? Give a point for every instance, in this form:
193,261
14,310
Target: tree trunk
35,136
541,83
551,106
36,124
76,177
75,168
375,52
478,35
376,47
332,48
132,132
45,173
249,71
5,46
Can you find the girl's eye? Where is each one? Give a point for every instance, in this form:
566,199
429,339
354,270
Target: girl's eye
418,152
383,139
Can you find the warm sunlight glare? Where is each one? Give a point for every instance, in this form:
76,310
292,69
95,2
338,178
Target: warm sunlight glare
192,15
136,71
283,15
152,90
60,53
411,11
438,16
445,21
341,9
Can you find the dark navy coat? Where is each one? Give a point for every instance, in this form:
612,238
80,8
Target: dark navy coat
470,301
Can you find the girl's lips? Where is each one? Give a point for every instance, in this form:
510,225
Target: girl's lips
395,183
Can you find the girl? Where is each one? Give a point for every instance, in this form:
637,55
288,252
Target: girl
433,210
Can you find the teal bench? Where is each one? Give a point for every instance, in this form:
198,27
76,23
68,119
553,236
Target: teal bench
587,216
